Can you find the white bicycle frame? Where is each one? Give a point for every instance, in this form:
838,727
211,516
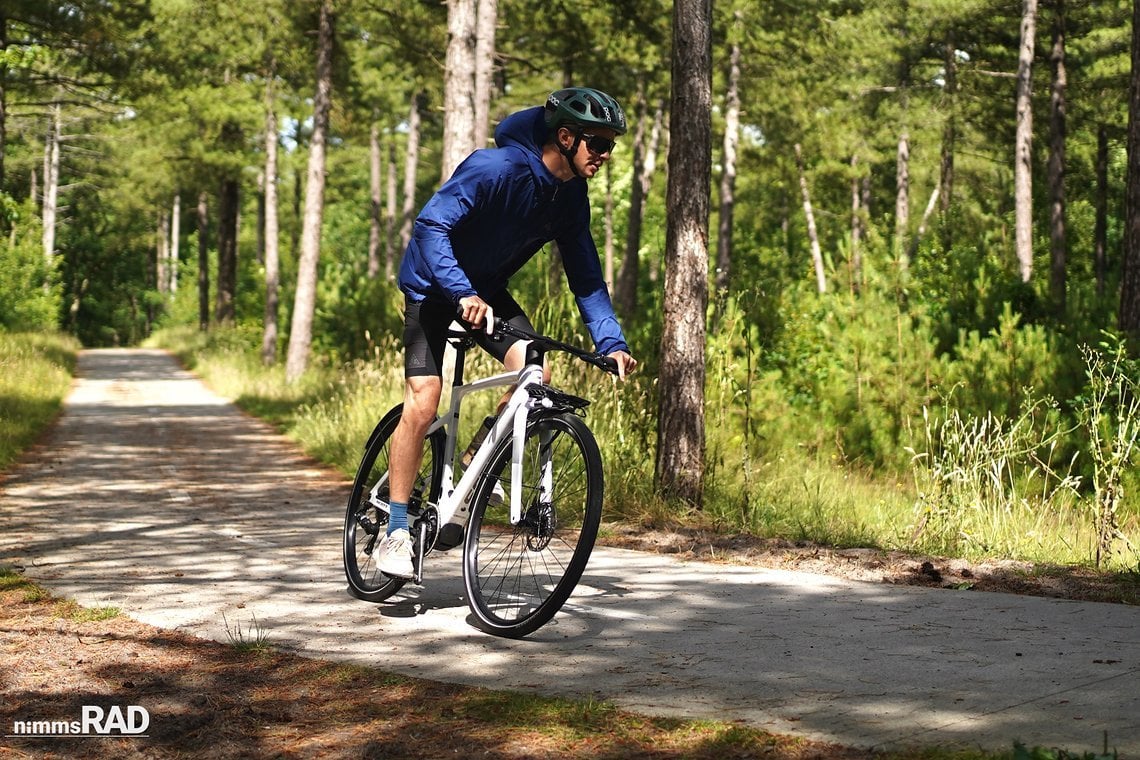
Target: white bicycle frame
511,421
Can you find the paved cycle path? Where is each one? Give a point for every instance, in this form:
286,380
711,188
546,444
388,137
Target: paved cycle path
154,495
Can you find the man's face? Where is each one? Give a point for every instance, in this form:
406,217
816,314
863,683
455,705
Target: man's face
594,149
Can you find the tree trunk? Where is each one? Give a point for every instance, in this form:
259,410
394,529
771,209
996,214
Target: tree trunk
681,414
161,252
226,291
411,166
857,222
304,302
1023,162
949,138
487,17
902,154
922,224
1129,317
390,213
3,95
1100,232
608,220
458,86
203,264
272,236
374,183
644,165
1057,130
51,184
813,235
175,225
902,199
728,173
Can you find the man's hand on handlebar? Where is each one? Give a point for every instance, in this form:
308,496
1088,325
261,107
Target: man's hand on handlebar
625,363
477,312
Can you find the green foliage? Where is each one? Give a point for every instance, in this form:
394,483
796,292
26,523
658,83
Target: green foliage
1021,752
991,373
35,374
1110,417
29,295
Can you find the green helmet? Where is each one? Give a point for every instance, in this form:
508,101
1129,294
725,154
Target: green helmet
584,107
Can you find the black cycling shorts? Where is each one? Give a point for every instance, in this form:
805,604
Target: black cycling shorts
425,332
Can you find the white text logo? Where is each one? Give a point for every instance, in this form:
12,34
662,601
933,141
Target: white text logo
93,721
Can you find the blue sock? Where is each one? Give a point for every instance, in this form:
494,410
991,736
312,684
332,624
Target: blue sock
397,516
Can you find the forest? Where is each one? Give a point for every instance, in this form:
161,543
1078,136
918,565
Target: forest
915,314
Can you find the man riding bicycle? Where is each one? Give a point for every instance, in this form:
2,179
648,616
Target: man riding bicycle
498,209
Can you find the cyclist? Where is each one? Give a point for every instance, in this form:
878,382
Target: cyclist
498,209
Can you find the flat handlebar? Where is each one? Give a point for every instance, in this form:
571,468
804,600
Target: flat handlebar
502,328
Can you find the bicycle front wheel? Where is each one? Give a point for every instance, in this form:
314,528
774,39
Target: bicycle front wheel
366,520
519,576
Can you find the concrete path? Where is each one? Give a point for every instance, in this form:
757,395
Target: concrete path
156,496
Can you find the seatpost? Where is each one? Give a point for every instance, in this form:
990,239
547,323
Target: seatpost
534,354
460,361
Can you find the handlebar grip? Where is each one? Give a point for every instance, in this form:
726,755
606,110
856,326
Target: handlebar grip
608,364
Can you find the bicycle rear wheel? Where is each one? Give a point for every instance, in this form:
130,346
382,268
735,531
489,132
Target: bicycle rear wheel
519,576
366,520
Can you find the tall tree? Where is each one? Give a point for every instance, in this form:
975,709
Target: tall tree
375,228
458,86
203,218
304,303
728,163
1129,315
1057,130
487,16
411,169
644,152
949,135
680,417
1023,148
271,232
809,216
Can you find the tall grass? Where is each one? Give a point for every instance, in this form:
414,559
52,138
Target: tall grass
35,374
979,487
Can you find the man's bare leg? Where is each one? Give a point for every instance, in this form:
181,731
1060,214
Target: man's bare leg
421,402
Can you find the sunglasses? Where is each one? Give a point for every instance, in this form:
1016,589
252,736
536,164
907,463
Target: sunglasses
597,144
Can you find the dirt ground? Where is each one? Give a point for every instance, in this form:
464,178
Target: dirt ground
246,700
877,566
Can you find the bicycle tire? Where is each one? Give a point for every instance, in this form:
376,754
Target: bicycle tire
518,577
364,520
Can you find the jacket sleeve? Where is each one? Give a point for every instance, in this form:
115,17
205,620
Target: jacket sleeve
584,273
447,210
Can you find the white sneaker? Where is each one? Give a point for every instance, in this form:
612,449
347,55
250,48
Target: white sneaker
498,495
395,555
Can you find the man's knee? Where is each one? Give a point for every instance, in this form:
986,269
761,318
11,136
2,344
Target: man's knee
421,401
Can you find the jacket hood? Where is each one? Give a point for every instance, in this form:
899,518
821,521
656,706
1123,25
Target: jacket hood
523,129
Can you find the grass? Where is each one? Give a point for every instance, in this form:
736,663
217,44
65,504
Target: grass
35,373
253,638
787,492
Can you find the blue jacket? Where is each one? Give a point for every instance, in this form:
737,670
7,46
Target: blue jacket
498,209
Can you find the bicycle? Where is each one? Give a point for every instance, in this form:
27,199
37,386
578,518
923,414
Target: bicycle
524,547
